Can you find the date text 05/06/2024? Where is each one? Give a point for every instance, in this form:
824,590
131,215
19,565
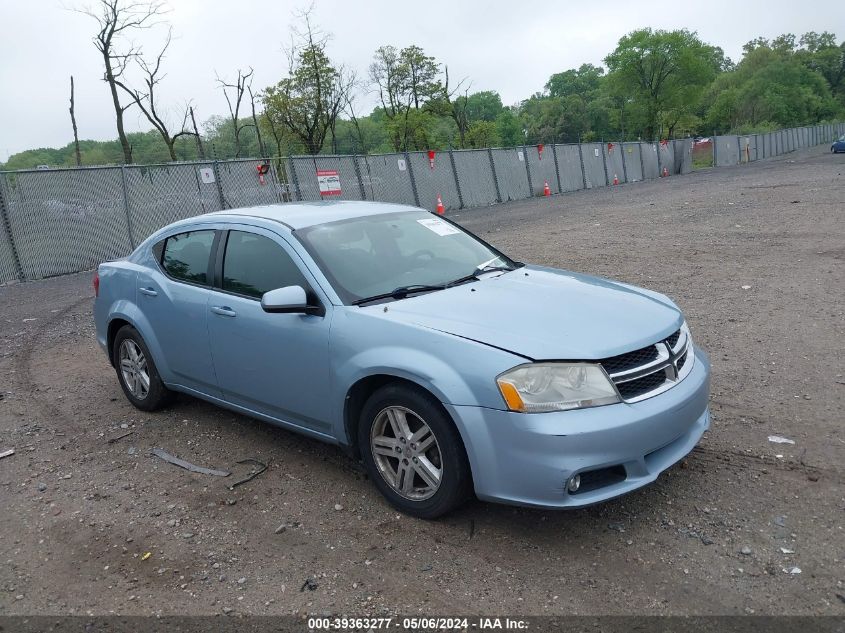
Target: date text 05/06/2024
417,623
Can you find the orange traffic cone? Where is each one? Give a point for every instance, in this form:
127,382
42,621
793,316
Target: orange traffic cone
546,190
440,207
665,172
615,179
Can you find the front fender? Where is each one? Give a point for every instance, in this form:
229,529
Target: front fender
417,366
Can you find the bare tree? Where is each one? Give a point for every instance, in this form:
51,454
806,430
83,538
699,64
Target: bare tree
262,150
349,109
73,122
457,108
197,137
241,85
146,100
116,18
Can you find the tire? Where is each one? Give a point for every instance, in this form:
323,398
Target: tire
136,371
382,414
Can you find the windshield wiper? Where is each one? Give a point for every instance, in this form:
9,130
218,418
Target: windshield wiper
486,267
401,292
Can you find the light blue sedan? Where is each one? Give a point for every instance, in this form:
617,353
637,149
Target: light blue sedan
445,366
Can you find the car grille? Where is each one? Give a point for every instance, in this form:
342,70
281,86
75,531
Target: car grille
630,360
640,386
646,372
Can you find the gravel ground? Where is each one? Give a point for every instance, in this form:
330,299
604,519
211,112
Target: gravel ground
91,522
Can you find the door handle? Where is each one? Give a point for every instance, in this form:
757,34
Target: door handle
224,311
148,291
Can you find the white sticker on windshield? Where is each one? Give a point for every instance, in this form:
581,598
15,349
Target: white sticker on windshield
438,226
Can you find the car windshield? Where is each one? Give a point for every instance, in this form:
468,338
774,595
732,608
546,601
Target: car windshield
397,253
842,138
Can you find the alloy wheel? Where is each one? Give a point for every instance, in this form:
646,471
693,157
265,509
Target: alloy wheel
133,369
406,453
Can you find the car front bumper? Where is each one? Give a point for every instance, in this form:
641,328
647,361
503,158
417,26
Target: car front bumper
527,459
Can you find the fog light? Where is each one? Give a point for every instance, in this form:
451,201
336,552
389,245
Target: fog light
574,483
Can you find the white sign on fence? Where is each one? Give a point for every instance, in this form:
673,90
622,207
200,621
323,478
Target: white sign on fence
596,151
329,182
207,175
401,163
520,155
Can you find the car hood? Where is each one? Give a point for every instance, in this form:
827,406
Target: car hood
544,314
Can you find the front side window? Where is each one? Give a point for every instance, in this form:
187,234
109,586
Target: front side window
254,264
186,256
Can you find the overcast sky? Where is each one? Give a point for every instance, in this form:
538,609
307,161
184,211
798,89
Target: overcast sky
511,47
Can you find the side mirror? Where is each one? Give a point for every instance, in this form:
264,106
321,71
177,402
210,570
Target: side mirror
287,300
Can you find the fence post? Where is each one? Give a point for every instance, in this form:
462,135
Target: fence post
715,150
216,169
295,179
557,168
4,212
604,162
624,162
581,160
455,174
642,164
277,181
495,177
360,179
126,207
656,147
739,149
413,180
528,171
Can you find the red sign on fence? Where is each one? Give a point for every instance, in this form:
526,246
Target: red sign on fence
329,182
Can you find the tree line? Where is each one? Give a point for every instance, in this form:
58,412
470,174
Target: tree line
654,84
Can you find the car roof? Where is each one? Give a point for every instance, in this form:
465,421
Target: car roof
298,215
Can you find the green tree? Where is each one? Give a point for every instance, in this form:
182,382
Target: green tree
770,87
483,106
411,91
482,134
583,81
509,129
821,53
663,73
310,99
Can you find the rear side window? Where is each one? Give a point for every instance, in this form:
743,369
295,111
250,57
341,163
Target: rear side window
186,256
255,264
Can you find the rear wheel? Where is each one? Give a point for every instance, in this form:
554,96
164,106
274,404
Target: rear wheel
137,372
413,452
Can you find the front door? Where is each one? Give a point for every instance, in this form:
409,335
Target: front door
274,364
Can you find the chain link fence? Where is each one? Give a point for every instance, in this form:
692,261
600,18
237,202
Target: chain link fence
60,221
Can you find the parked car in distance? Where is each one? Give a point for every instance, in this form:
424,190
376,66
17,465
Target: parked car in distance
838,145
447,367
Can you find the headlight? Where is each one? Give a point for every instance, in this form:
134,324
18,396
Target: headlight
542,387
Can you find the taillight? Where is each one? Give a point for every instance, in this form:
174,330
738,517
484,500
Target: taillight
96,284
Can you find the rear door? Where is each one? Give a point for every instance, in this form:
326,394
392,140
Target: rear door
174,299
274,364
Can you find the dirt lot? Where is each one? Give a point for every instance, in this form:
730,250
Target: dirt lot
755,255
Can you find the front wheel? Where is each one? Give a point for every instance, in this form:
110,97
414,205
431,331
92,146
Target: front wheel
413,452
137,372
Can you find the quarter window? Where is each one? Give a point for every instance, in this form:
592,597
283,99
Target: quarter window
255,264
186,256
